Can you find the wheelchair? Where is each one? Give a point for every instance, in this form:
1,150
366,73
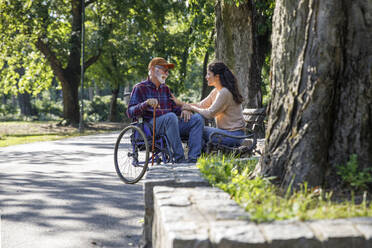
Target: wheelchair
132,151
134,143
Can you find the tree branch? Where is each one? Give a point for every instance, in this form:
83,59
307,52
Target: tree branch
92,60
89,2
51,58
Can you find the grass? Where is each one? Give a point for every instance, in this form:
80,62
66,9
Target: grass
24,139
23,132
265,202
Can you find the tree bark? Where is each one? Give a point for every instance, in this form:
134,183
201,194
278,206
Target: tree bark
185,57
321,105
205,89
24,101
236,45
114,103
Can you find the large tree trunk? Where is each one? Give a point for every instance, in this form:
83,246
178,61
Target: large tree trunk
185,57
70,93
236,45
205,88
321,106
69,76
24,101
114,104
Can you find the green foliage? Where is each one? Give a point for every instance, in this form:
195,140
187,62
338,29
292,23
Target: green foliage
265,87
176,30
265,11
99,108
352,176
265,202
22,67
8,109
9,112
40,39
47,109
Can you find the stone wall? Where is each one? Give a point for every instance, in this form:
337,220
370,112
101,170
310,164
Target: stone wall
183,211
177,175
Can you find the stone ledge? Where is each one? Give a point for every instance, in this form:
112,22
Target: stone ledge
182,210
173,175
207,217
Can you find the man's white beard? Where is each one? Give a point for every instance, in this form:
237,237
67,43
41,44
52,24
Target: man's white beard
158,75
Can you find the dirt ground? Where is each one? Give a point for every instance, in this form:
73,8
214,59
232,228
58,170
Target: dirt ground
30,128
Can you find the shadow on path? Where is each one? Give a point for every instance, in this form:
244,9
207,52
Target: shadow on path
71,192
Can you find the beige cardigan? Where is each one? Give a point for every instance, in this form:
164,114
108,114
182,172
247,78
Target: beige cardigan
221,106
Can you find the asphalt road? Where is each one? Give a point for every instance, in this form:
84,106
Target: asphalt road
66,194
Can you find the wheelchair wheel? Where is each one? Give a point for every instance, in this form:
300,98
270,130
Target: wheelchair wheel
131,154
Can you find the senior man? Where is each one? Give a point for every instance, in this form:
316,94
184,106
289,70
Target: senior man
171,120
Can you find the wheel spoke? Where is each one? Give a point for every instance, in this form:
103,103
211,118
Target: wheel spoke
131,154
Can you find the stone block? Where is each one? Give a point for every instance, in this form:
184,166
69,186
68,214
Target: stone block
364,226
289,234
176,222
215,210
338,233
236,234
186,234
165,175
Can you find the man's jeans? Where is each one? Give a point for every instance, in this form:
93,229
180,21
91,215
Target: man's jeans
224,140
174,128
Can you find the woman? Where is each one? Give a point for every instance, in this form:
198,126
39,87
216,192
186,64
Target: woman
224,104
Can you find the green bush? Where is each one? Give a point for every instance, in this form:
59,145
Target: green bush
352,176
6,109
266,202
47,109
10,112
99,108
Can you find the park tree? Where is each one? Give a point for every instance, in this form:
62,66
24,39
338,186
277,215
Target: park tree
243,30
176,30
138,35
321,106
44,37
120,56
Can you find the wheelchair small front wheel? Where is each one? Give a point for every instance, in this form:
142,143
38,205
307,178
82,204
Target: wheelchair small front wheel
131,154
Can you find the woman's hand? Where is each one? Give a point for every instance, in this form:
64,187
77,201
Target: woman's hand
176,101
186,106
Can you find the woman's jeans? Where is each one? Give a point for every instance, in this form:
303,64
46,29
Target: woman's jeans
174,128
223,139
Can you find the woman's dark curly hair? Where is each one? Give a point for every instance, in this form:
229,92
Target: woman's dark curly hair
227,78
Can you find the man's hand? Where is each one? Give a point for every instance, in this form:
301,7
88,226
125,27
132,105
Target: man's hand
186,115
152,102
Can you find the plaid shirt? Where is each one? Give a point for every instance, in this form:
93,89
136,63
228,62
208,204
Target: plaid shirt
145,90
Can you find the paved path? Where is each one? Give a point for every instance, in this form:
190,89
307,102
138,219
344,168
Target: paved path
66,194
